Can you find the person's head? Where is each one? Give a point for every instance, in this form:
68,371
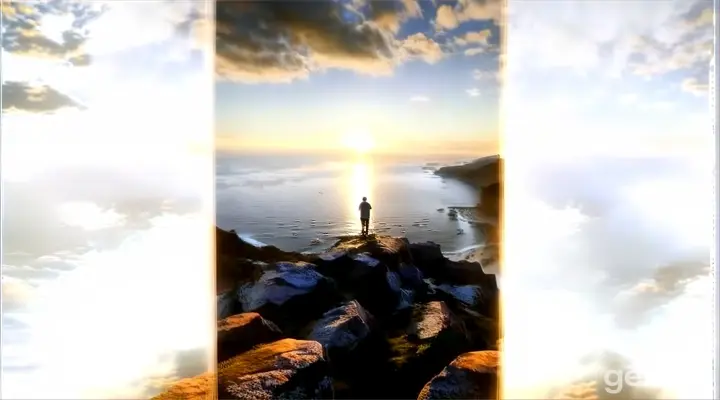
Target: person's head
364,198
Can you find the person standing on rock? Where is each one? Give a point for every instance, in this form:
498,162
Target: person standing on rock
364,208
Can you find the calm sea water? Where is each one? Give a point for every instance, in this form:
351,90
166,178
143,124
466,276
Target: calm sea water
302,203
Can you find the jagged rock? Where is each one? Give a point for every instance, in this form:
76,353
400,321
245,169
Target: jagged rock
241,332
466,273
430,336
285,369
343,327
276,287
407,297
393,281
291,296
226,304
427,257
386,249
201,387
472,375
411,276
470,295
430,319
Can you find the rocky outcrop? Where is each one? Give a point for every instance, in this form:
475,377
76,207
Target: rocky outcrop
480,173
374,317
342,328
286,369
200,387
242,332
472,375
484,174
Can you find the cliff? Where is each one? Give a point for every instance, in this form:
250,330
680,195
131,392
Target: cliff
484,174
375,317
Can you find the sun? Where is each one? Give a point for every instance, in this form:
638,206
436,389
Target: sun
361,141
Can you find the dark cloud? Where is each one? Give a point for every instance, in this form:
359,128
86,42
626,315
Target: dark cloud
284,41
20,96
22,34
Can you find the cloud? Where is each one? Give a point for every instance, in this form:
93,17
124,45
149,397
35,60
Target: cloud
53,30
479,74
390,15
284,41
19,96
694,86
639,38
15,293
634,305
448,17
420,46
594,386
420,99
628,98
474,92
474,51
479,37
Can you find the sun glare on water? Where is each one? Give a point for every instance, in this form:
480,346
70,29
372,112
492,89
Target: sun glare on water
360,141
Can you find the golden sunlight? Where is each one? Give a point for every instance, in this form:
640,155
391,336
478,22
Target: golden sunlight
359,181
359,140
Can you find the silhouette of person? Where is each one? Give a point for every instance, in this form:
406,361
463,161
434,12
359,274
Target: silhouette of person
364,208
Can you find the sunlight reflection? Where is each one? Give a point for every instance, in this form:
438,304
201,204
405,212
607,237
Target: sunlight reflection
360,184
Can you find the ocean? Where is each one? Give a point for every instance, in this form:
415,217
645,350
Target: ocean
304,202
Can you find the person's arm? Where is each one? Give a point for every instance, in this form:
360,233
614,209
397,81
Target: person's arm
369,206
360,207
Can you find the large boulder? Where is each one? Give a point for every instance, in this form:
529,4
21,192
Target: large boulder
285,369
291,295
410,275
201,387
363,277
389,250
428,257
430,337
241,332
342,328
472,375
237,261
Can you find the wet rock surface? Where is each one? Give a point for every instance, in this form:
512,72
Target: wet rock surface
472,375
372,318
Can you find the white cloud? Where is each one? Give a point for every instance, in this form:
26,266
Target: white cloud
473,92
638,37
89,216
448,17
694,86
16,293
420,99
628,98
599,227
479,74
474,51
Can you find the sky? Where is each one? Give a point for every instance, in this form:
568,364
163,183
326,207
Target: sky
608,174
608,199
405,76
628,77
105,172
